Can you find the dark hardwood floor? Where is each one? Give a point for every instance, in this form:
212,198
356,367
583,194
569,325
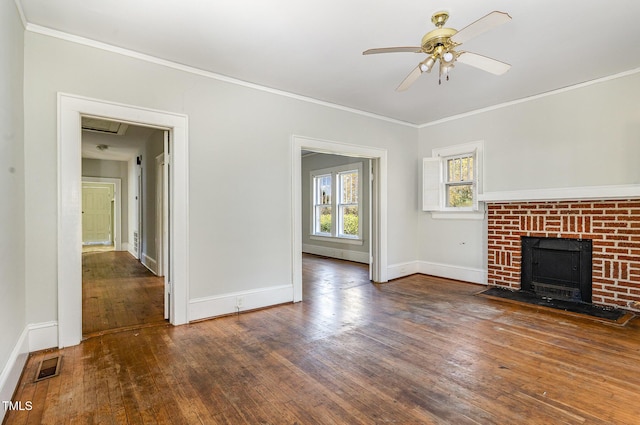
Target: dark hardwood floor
118,292
417,350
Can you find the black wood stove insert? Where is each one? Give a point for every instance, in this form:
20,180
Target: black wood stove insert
557,268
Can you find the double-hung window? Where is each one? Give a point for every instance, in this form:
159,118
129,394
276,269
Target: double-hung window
451,181
459,181
337,216
322,211
348,204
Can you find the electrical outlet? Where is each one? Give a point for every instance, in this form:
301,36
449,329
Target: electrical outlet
239,302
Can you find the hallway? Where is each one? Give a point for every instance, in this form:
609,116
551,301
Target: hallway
118,292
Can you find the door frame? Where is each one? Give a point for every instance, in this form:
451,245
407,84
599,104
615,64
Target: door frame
117,219
378,234
71,108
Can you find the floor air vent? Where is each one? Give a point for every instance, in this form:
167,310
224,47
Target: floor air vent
48,368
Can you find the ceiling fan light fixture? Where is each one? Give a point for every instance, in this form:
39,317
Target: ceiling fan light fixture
426,65
447,56
441,43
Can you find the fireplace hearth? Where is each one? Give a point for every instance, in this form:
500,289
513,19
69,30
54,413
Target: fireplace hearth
557,268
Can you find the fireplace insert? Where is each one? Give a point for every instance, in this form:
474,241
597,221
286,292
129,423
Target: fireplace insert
557,268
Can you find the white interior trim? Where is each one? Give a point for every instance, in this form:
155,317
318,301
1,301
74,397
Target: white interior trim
449,271
238,302
18,4
342,254
37,29
399,270
118,205
10,374
564,193
70,110
530,98
379,225
43,336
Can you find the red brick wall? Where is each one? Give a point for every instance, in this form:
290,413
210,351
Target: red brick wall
614,227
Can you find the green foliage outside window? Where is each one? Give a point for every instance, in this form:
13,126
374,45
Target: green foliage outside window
460,196
350,224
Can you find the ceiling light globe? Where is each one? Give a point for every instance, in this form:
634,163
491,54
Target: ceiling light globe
427,64
447,56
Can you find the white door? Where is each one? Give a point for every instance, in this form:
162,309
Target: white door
97,214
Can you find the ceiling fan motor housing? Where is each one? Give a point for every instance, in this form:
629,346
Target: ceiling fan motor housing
438,37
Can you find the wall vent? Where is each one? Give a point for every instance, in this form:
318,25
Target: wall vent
48,368
135,241
97,125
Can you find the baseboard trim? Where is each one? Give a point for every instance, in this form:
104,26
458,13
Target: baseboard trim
340,254
396,271
10,376
43,335
465,274
34,337
150,263
209,307
132,252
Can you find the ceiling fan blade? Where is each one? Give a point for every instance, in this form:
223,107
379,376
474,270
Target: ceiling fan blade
393,50
484,63
411,78
483,24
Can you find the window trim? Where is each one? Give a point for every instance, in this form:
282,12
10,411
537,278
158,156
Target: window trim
435,183
335,186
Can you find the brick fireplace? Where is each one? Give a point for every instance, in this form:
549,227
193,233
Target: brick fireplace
613,226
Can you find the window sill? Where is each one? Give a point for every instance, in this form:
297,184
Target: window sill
457,215
336,239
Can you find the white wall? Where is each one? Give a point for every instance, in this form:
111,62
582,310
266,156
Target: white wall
240,162
587,136
12,210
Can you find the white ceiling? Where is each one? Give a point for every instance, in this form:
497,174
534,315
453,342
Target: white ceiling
119,147
314,48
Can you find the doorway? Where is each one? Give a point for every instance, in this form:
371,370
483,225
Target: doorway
123,287
378,236
71,110
336,207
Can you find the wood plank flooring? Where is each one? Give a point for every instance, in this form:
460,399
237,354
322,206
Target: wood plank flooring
418,350
118,292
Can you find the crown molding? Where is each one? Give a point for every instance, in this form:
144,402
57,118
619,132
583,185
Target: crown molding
37,29
18,4
531,98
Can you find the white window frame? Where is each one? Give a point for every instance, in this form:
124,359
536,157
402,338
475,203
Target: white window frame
315,205
434,182
335,173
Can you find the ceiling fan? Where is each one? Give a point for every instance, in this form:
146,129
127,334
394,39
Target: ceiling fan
440,45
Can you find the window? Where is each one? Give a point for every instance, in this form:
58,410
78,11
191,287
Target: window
337,216
322,204
459,181
348,216
451,181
